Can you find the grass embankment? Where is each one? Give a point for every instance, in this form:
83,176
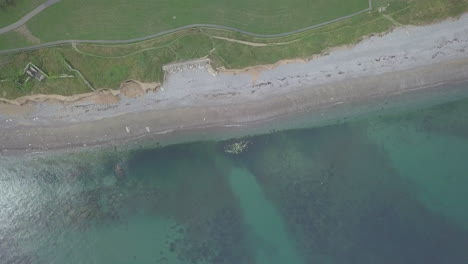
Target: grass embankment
106,66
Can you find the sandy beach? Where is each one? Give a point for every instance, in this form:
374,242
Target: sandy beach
407,59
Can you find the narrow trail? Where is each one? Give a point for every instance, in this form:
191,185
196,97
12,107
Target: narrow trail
254,44
391,19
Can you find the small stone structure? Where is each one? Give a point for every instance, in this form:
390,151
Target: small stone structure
32,71
202,64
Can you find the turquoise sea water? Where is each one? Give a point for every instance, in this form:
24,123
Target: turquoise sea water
384,189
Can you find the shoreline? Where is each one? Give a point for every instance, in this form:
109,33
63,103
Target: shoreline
289,116
399,62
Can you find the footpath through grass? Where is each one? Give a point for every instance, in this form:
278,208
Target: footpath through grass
106,66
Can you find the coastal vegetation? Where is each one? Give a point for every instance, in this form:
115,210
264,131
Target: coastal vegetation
106,66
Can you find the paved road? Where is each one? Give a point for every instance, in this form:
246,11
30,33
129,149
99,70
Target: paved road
27,17
62,42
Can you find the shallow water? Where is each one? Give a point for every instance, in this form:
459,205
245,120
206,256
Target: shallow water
266,226
386,189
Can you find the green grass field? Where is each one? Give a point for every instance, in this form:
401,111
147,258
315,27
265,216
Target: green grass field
111,19
106,66
13,39
14,12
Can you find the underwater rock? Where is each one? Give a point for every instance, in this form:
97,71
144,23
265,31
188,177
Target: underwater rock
236,148
119,171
